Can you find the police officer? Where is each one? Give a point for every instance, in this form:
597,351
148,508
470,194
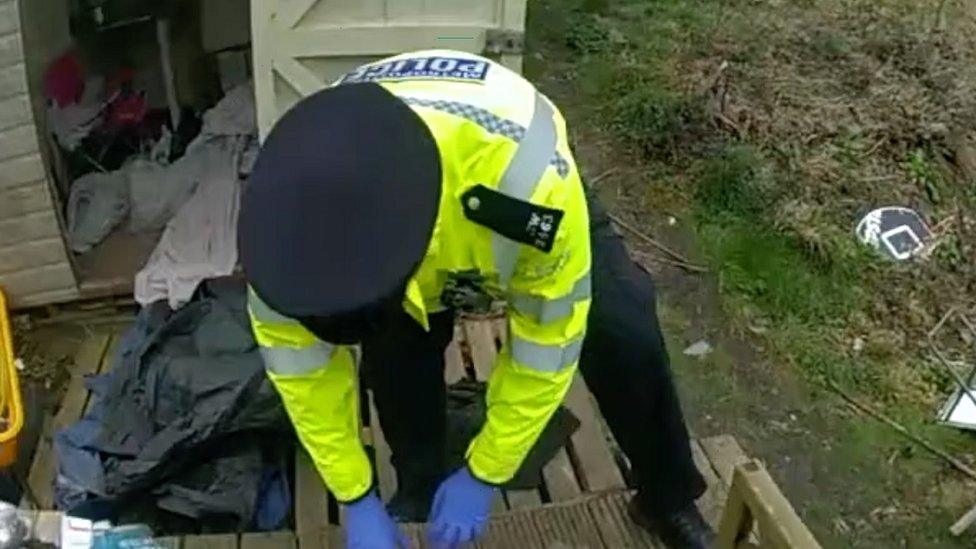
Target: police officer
416,185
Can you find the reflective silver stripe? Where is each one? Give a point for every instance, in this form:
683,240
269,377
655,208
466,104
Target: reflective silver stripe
544,310
489,121
521,177
290,361
263,312
545,358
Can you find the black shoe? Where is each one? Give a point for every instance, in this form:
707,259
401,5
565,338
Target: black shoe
410,505
684,529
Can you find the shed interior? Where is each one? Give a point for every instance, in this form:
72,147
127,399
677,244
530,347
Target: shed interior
119,90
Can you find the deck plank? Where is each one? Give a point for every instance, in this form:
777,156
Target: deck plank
597,470
317,539
44,466
712,502
311,496
88,361
272,540
560,478
553,526
523,499
724,453
105,366
386,475
480,337
616,527
169,542
211,541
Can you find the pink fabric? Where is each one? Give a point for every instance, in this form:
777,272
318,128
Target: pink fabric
64,80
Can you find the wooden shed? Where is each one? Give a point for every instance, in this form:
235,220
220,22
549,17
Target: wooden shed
35,266
298,47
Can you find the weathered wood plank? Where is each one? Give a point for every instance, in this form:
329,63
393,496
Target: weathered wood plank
22,169
597,468
44,467
24,199
15,111
32,254
374,40
13,80
170,542
18,141
560,478
48,278
266,104
32,226
11,49
211,541
318,539
88,361
523,499
724,453
386,475
273,540
9,16
615,526
710,504
291,13
298,76
106,365
779,525
311,497
44,297
481,343
560,526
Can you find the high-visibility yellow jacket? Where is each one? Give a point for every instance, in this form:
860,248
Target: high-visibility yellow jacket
493,129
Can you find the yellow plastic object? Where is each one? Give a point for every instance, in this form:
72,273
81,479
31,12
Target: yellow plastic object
11,405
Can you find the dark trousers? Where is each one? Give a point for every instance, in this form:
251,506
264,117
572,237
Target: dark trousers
624,363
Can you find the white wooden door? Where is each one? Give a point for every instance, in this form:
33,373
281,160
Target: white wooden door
300,46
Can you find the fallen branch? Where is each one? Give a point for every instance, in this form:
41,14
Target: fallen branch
675,258
963,523
962,467
596,180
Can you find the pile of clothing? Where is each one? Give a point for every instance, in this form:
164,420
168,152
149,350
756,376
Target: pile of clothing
194,201
185,432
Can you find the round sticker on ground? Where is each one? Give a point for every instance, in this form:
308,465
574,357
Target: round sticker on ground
898,233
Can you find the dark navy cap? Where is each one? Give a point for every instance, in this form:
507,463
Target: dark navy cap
341,204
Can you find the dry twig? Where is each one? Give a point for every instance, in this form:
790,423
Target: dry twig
675,258
596,180
864,408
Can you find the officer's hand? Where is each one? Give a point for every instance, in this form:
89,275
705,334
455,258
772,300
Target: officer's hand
369,526
460,510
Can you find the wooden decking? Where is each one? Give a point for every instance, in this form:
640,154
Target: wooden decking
581,501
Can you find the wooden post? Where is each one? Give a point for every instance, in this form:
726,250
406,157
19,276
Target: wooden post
754,497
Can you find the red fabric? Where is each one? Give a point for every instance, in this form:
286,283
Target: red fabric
129,109
64,80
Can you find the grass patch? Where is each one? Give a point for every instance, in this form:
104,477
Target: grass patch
755,261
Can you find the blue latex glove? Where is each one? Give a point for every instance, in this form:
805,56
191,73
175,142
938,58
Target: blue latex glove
460,510
369,526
